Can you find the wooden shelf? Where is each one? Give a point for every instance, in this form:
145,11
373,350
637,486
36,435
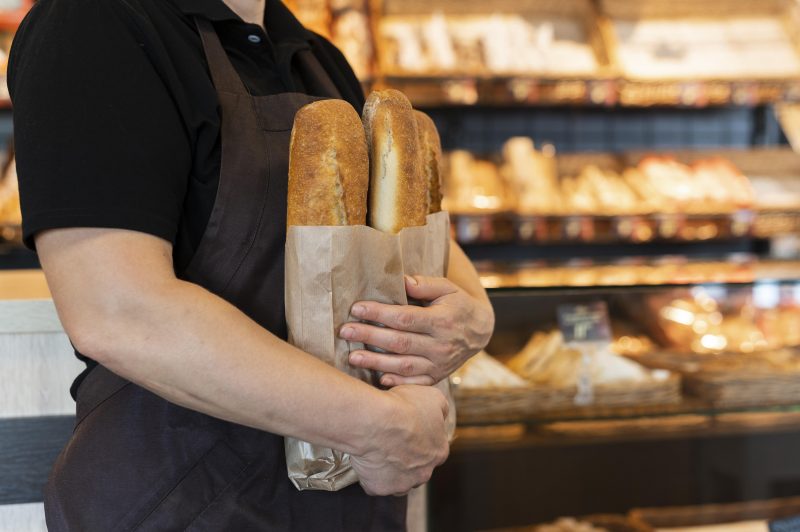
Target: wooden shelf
529,90
665,227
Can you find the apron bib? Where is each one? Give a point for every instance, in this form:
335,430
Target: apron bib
138,462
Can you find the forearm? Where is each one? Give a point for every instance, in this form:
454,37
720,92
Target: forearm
194,349
121,305
463,274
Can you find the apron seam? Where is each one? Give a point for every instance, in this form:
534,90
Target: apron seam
224,490
175,483
79,422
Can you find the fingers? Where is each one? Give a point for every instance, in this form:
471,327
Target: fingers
390,340
390,380
400,317
396,367
429,288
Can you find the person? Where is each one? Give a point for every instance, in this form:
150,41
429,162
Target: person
152,148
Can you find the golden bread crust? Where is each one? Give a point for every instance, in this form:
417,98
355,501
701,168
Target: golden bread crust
431,153
374,99
398,193
328,166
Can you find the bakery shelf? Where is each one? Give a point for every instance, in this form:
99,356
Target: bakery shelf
687,419
587,275
664,227
781,414
433,91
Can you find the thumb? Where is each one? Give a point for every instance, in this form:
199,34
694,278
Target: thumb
428,288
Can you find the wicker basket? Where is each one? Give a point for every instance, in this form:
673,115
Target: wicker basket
531,403
726,390
712,514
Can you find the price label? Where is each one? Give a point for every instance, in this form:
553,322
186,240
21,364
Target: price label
586,328
585,323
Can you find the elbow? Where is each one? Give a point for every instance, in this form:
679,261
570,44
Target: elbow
105,328
92,338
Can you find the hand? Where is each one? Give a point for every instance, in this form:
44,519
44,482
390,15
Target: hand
412,442
424,344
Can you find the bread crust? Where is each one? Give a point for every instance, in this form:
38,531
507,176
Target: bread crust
376,98
398,193
431,153
328,166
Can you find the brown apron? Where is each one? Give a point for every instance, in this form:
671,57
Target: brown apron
138,462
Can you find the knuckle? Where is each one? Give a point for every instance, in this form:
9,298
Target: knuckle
406,320
407,368
446,322
401,345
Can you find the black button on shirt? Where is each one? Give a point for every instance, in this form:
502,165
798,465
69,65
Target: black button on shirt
116,120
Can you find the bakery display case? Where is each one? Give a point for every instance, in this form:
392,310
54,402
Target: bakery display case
585,169
617,173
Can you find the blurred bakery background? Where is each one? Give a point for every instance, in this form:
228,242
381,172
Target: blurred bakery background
626,176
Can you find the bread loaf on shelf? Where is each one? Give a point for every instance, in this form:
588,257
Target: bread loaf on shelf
398,193
431,153
328,166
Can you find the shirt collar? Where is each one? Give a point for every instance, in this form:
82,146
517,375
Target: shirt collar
281,24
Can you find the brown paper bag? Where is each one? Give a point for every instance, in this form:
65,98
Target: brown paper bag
328,269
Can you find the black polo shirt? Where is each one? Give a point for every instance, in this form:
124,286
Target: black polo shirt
115,117
116,120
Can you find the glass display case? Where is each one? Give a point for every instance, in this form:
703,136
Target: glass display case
682,391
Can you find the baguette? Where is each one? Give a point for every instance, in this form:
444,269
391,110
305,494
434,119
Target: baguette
377,98
431,153
398,193
328,166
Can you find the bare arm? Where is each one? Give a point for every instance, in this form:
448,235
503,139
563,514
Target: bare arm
121,304
463,274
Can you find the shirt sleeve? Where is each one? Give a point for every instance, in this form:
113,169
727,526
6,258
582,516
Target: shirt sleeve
99,140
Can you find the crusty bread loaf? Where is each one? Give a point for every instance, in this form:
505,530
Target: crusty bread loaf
328,166
398,193
374,100
431,153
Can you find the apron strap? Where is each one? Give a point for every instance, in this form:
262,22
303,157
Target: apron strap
224,76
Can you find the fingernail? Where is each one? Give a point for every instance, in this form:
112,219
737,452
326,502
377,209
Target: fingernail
387,381
411,280
356,358
347,333
359,310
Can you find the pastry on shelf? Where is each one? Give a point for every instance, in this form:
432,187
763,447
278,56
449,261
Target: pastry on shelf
533,176
632,345
568,524
698,324
484,44
725,184
706,48
547,361
609,193
484,371
350,32
474,186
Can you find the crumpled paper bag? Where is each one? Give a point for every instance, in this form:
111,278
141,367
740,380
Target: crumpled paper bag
328,269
